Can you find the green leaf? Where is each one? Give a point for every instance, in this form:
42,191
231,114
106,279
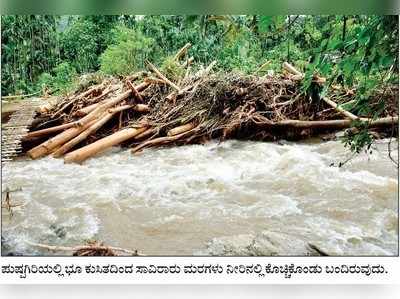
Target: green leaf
364,37
335,44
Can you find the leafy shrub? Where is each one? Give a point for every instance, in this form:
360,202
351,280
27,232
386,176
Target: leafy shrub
129,50
45,81
79,45
172,69
63,78
240,52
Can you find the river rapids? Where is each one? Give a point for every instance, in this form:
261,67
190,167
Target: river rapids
229,198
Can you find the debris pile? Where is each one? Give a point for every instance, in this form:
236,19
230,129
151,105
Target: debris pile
147,109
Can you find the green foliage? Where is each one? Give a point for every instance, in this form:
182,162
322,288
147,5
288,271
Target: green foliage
45,81
264,23
359,51
65,75
361,140
62,80
129,49
80,45
172,69
29,47
240,52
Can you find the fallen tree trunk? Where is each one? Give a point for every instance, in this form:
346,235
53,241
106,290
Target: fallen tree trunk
102,108
135,92
96,126
341,110
86,110
136,107
141,108
110,103
182,51
180,129
145,134
47,147
82,136
101,145
48,131
291,69
154,80
161,140
330,124
161,76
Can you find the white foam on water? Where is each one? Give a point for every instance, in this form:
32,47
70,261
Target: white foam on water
175,200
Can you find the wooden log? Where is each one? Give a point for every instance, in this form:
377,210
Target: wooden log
136,107
86,110
154,80
291,69
109,103
80,155
142,86
135,93
82,136
180,129
182,51
47,147
120,108
100,109
161,76
48,131
145,134
330,124
161,140
298,76
341,110
141,108
78,97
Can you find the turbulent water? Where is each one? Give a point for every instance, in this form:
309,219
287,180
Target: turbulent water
236,197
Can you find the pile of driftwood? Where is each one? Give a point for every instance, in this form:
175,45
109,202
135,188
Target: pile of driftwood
150,109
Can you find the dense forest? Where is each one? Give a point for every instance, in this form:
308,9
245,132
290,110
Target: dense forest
54,50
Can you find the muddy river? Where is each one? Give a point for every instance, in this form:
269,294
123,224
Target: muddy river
230,198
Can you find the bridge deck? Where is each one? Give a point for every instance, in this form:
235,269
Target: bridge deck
17,127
